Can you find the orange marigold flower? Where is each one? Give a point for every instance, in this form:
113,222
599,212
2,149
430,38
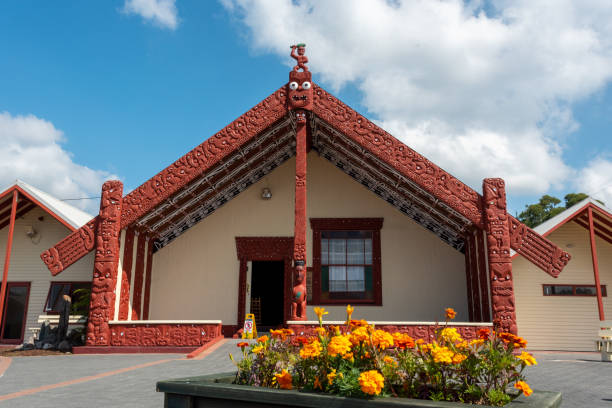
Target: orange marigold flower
389,360
403,341
382,339
349,357
523,386
450,313
458,358
331,376
371,382
317,384
420,341
484,334
527,358
358,335
476,342
357,323
242,344
284,380
311,350
509,338
302,340
339,345
288,332
276,333
262,339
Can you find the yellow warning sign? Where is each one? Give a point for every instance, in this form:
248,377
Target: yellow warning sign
250,330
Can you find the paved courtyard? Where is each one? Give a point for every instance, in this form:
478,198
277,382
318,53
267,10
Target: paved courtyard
129,380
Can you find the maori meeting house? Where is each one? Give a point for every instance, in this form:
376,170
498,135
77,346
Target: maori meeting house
300,202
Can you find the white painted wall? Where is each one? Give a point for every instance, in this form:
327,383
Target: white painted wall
26,265
562,322
196,276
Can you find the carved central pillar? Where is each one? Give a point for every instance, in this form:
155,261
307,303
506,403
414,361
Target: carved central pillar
102,303
498,249
300,97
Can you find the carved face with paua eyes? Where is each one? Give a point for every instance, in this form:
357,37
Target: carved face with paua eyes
299,90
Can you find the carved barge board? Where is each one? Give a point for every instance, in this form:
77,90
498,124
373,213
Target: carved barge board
430,177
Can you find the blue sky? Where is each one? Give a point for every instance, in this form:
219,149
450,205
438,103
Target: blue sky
109,90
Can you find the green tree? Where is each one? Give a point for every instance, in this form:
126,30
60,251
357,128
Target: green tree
547,207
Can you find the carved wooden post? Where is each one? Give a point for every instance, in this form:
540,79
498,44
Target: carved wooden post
102,303
498,249
300,97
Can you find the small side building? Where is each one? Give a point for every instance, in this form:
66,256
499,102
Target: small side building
31,220
564,313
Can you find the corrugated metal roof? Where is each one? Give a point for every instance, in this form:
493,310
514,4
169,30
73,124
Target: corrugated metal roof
70,214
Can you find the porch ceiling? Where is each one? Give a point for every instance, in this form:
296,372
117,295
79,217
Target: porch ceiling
389,184
23,206
216,187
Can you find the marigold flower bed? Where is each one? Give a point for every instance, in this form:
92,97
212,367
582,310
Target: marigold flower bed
358,360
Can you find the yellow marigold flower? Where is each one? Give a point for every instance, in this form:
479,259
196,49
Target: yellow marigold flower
389,360
331,376
523,386
382,339
339,345
262,339
371,382
358,335
320,312
258,349
442,354
284,380
527,358
462,345
450,313
458,358
476,342
450,334
349,312
311,350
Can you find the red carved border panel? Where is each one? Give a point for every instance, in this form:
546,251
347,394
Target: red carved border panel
164,335
102,302
416,331
263,249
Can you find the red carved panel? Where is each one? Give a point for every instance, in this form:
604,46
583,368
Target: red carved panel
399,156
126,276
468,281
537,249
147,290
263,249
498,251
416,331
163,335
72,248
138,278
102,302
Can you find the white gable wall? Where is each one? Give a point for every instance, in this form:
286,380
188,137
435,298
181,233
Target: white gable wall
196,276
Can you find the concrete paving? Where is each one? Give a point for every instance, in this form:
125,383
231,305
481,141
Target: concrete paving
129,380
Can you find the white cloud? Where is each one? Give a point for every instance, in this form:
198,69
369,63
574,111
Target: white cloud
483,91
596,180
160,12
32,151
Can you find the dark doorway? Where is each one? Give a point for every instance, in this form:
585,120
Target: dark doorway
267,283
15,309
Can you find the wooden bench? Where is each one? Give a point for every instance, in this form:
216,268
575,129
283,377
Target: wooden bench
73,320
604,344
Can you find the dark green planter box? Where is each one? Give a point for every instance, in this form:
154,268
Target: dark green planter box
217,390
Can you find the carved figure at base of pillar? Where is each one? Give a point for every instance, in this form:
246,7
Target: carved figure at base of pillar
298,302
